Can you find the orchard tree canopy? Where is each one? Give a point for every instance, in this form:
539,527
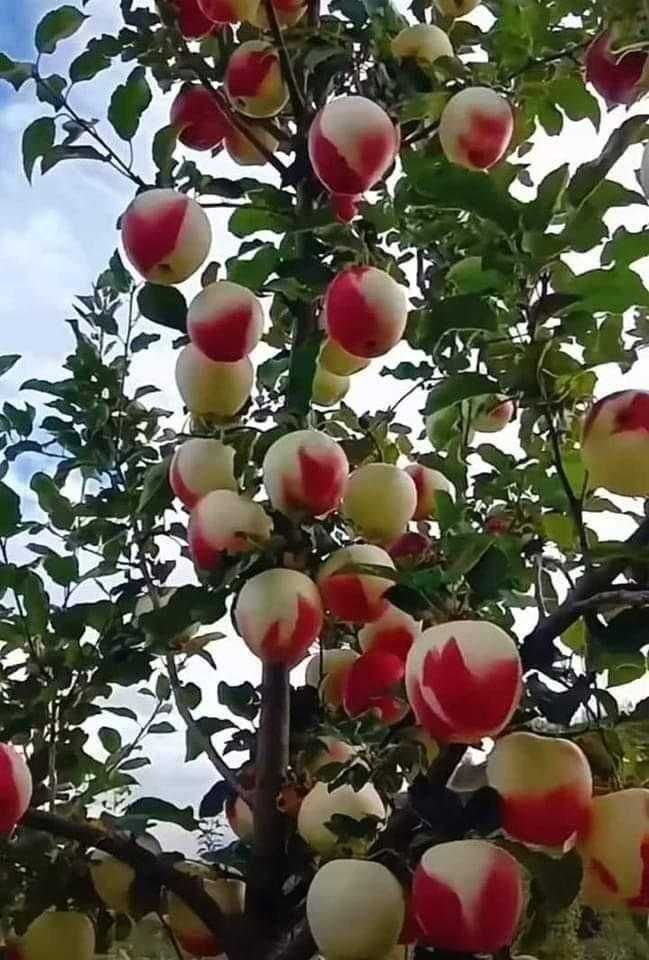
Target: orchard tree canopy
446,580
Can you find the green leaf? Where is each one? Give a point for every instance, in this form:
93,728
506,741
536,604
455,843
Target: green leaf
163,305
14,72
164,144
62,152
589,175
38,138
538,213
52,501
110,739
614,290
164,727
9,511
466,311
62,570
50,90
557,880
7,362
96,58
128,103
191,695
36,602
57,25
208,726
301,373
249,220
154,810
461,386
156,493
254,272
242,700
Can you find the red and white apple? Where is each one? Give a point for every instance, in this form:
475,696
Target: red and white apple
224,523
615,443
15,788
226,11
328,672
254,81
393,632
352,596
305,474
476,128
225,321
379,500
365,311
211,387
192,22
198,118
428,482
200,465
493,415
374,683
193,935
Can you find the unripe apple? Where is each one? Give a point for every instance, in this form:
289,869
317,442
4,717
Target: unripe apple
305,473
349,595
456,8
288,13
166,235
240,818
468,897
320,805
279,615
253,80
328,389
365,311
545,786
493,415
331,751
476,128
223,522
615,443
225,321
328,671
192,22
15,788
393,632
379,500
55,930
428,482
613,850
112,880
226,11
463,680
244,152
617,79
373,683
190,931
200,465
422,42
211,388
198,118
355,910
335,359
352,144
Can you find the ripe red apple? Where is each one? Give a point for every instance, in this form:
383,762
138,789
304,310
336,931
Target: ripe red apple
422,42
352,144
355,910
55,929
198,118
212,388
476,128
351,596
615,443
379,500
493,415
226,11
616,79
225,321
166,235
223,522
305,473
335,359
254,81
545,785
468,897
428,482
191,932
374,683
321,804
15,788
328,389
393,632
328,672
365,311
463,680
244,152
192,22
199,466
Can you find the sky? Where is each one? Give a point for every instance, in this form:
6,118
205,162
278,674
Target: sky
57,235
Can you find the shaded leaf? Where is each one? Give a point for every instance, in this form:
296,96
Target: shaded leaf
57,25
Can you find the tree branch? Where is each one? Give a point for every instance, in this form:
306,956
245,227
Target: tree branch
625,597
297,101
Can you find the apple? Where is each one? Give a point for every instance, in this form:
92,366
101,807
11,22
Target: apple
223,522
328,671
456,8
55,929
468,897
617,79
240,818
112,880
321,804
422,42
212,388
226,11
428,482
198,118
411,549
379,500
352,144
279,615
15,788
166,235
476,128
225,321
545,785
393,632
335,359
328,389
353,596
365,311
330,750
463,680
355,910
192,22
253,80
200,465
499,524
615,443
372,683
305,473
493,415
244,152
288,13
190,931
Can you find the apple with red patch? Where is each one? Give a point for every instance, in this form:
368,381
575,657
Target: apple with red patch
193,935
327,670
429,483
365,311
200,465
223,522
15,788
305,474
617,78
254,81
393,632
353,596
225,321
493,415
226,11
615,443
476,128
374,683
198,118
192,22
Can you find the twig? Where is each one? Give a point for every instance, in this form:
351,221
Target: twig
625,597
297,101
573,501
568,52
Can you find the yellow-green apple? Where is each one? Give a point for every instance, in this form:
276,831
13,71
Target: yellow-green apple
354,596
15,787
321,804
200,465
545,786
615,443
614,853
244,152
199,120
618,79
328,389
493,415
355,910
225,321
463,680
288,13
327,671
456,8
223,522
374,683
253,80
329,750
365,311
211,387
335,359
428,482
279,615
423,42
113,881
226,11
166,235
191,932
305,474
393,632
67,932
379,500
192,22
352,144
468,897
476,128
